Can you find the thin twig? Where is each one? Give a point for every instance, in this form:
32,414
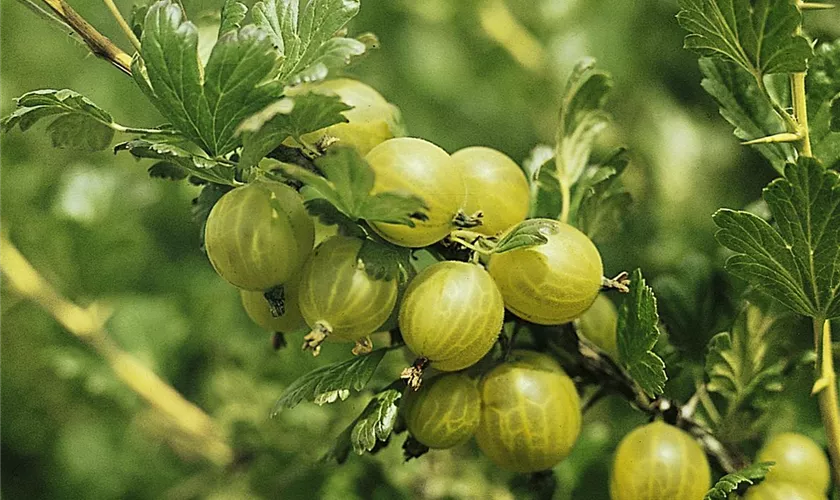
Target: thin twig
123,25
98,44
86,324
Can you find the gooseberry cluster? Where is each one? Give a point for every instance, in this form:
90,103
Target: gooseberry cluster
524,411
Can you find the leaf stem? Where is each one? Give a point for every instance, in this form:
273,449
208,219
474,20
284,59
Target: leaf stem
565,192
827,386
138,130
123,25
192,424
800,111
98,44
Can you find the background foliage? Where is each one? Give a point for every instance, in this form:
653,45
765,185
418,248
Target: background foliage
99,229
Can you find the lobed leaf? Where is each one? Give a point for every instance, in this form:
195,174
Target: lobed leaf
731,482
822,86
599,199
373,425
233,13
798,261
76,121
199,166
347,184
746,108
303,33
758,35
582,119
288,117
331,382
205,104
525,234
637,333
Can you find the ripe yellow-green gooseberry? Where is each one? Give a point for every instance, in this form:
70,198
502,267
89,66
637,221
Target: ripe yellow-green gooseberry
416,167
658,461
259,235
530,413
496,186
773,490
598,324
371,121
552,283
444,412
451,314
256,306
799,460
338,298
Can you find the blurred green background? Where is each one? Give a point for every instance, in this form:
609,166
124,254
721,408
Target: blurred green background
99,229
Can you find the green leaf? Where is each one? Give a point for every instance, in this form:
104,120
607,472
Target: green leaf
347,185
798,261
206,106
76,121
526,234
546,198
199,166
599,200
304,34
730,482
331,382
637,333
204,202
138,18
822,86
167,170
233,13
375,423
288,117
758,35
381,260
744,106
741,365
582,119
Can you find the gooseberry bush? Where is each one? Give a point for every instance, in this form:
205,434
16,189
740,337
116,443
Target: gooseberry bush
343,232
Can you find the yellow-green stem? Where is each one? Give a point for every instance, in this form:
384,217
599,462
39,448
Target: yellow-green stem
828,400
566,193
123,25
800,111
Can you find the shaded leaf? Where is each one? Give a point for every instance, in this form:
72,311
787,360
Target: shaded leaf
76,122
289,117
331,382
381,260
199,166
731,482
746,108
599,200
798,261
203,204
167,170
372,426
822,86
233,13
637,334
347,185
545,186
758,35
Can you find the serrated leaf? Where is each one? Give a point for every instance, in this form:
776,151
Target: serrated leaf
798,261
381,260
582,119
741,365
758,35
730,482
167,170
745,107
637,333
205,105
376,421
822,85
526,234
233,13
303,32
288,117
76,121
199,166
331,382
347,185
599,199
